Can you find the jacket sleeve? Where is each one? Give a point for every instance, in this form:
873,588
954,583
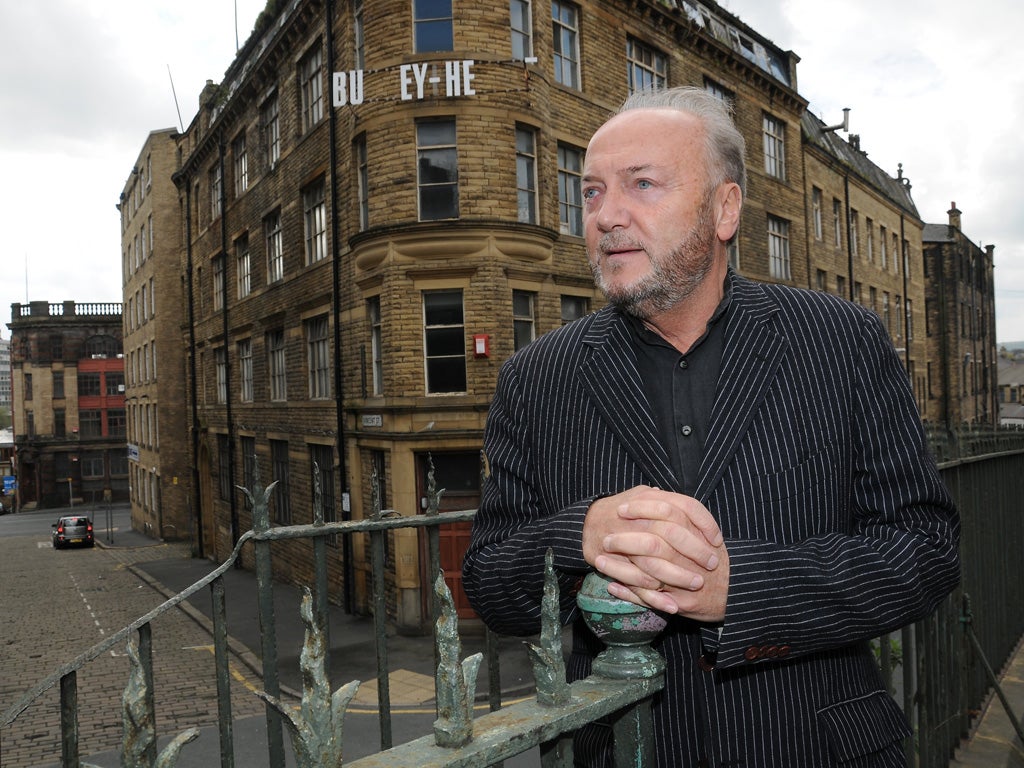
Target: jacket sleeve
503,570
893,566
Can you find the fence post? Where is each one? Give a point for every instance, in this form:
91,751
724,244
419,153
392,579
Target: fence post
627,629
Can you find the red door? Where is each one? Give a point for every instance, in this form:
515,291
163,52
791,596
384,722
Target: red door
459,475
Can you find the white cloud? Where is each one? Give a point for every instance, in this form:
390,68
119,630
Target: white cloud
935,85
932,84
84,84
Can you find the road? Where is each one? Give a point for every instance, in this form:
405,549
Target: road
57,604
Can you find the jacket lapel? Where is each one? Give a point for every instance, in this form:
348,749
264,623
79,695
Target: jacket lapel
611,377
751,355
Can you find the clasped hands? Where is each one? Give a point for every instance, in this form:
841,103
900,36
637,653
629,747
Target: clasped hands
664,550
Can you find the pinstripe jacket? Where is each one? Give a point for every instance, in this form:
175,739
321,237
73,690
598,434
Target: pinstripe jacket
837,524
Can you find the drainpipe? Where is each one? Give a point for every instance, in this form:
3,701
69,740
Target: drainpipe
339,393
906,283
849,232
197,502
227,351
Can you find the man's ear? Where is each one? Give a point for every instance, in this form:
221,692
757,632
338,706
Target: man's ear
728,204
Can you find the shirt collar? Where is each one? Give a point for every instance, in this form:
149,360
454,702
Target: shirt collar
644,334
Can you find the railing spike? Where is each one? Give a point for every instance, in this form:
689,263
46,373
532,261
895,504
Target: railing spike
548,660
455,681
317,729
139,729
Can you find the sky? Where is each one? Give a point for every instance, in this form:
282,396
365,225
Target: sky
936,85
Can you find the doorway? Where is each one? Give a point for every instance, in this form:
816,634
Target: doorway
458,473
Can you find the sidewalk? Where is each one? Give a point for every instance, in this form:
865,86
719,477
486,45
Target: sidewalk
352,644
994,742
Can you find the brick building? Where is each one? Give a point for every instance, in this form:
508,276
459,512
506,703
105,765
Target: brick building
963,377
375,209
68,415
160,470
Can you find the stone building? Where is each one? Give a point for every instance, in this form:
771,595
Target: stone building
376,208
5,374
865,240
68,415
963,376
155,383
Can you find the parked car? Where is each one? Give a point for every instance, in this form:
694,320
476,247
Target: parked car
73,531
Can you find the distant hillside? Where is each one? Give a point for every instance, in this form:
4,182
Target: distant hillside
1010,345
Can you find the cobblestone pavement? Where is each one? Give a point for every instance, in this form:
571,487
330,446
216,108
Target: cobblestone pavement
58,604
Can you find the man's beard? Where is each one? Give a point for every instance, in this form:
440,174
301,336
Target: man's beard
673,276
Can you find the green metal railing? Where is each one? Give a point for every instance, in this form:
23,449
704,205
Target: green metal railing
941,669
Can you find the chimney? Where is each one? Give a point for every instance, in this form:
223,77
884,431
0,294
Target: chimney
954,216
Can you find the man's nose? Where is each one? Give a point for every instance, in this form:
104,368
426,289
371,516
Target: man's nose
613,213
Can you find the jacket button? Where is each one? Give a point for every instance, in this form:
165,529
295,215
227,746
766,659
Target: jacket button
772,652
783,651
751,653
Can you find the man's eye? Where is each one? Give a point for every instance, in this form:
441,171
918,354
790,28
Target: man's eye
589,193
644,184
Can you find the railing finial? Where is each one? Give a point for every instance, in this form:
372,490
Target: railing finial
317,729
548,660
455,682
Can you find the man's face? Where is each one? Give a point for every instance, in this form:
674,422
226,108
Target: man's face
648,217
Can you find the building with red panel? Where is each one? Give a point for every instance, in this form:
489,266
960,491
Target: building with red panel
69,418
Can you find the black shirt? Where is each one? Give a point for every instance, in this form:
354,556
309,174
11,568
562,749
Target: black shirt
681,389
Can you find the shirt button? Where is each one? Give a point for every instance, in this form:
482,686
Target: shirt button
683,364
686,430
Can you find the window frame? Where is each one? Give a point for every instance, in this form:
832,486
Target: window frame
219,270
270,128
314,220
526,174
570,185
437,333
376,344
363,181
816,201
245,373
243,266
524,318
241,164
220,362
273,237
779,255
277,365
565,34
573,307
446,150
424,29
646,66
522,34
280,473
318,356
774,145
216,178
311,88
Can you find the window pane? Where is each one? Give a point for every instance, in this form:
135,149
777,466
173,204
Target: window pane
446,375
445,341
443,307
438,203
